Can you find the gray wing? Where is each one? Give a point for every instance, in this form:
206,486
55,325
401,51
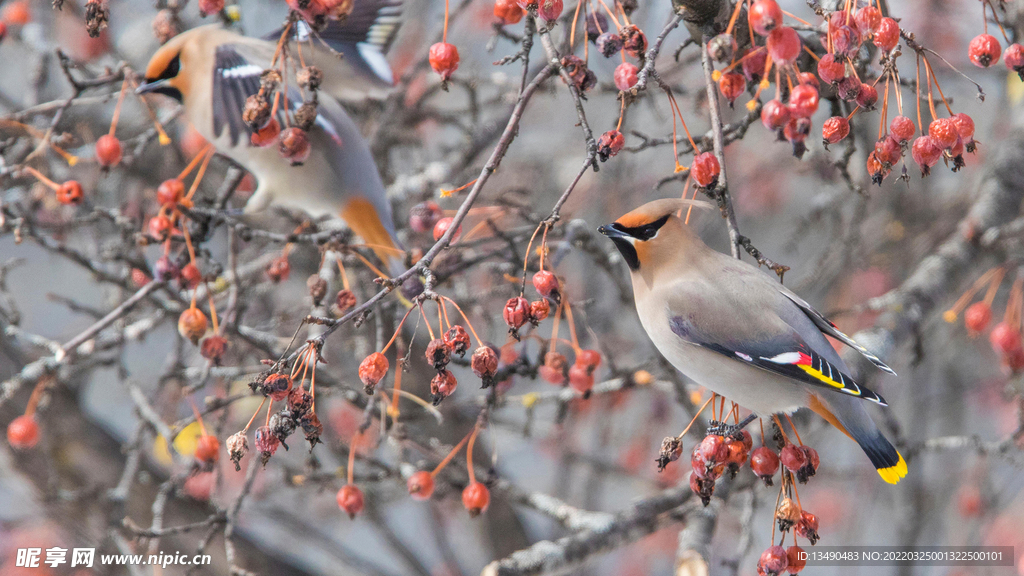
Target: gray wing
748,320
234,80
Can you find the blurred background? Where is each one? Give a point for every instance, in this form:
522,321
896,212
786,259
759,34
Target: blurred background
887,260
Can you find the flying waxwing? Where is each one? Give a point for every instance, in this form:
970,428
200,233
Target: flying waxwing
736,331
211,71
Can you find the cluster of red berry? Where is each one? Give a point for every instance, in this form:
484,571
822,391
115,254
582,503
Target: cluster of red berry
721,453
261,112
1006,336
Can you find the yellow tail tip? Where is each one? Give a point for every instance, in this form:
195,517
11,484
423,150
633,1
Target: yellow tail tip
892,474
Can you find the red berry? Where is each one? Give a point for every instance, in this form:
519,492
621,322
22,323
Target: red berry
425,215
581,378
609,144
713,450
835,129
803,101
773,561
108,150
539,311
140,278
795,555
207,448
888,151
372,369
765,16
294,145
868,18
943,132
549,10
634,41
705,169
812,457
753,65
625,76
444,59
207,7
867,96
350,500
159,226
266,441
807,527
279,269
421,484
546,284
192,324
797,129
475,498
887,36
977,316
737,451
191,276
783,45
830,70
267,135
774,115
848,88
553,369
846,41
516,312
508,11
484,362
589,358
213,347
902,129
964,125
732,84
170,192
926,153
70,192
793,458
1005,338
722,48
765,463
457,340
984,50
278,386
443,385
23,432
841,18
1013,57
442,226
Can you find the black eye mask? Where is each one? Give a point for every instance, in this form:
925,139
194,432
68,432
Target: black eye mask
645,232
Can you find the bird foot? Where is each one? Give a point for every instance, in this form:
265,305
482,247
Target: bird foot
723,429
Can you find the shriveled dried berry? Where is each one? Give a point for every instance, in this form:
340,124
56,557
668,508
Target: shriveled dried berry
438,354
317,288
484,362
609,44
610,144
238,446
457,340
372,370
442,385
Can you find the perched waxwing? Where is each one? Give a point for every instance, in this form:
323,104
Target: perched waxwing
738,332
211,71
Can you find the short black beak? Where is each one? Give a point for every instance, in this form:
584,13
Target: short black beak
147,87
611,231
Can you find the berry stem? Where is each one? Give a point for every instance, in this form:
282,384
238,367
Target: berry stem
611,14
39,176
793,426
213,311
805,22
430,330
965,298
370,265
469,454
444,35
917,89
761,423
397,330
344,275
349,472
993,286
246,429
697,415
37,392
447,193
199,417
192,164
451,454
572,325
995,17
686,187
572,31
732,19
117,107
397,390
552,346
928,68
